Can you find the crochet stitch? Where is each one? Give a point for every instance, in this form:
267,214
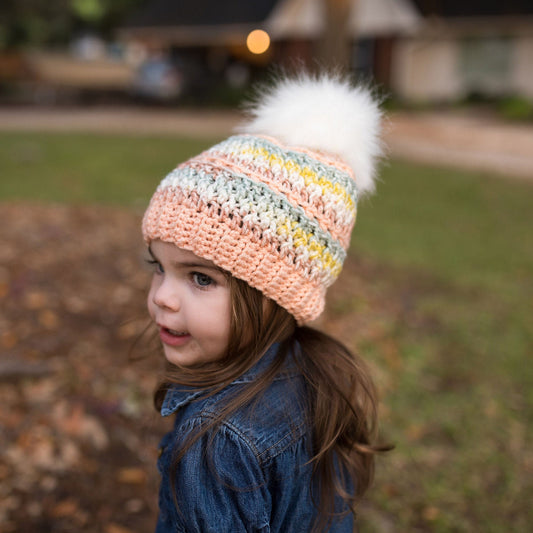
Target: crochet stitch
274,215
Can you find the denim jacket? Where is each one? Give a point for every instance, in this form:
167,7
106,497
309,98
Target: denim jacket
252,473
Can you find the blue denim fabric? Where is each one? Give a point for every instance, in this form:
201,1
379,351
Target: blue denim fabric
252,473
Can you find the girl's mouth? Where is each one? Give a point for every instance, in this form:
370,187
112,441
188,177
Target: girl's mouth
172,337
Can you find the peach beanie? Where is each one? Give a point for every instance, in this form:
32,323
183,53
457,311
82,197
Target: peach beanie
275,205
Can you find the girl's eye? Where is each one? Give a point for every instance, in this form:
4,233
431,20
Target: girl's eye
202,280
158,269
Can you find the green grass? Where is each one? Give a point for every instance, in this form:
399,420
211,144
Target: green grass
457,261
460,407
87,168
463,225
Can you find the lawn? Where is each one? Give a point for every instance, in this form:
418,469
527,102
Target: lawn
439,302
87,168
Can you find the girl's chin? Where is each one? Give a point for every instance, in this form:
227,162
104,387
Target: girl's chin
179,358
185,357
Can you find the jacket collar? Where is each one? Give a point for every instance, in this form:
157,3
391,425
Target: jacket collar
181,395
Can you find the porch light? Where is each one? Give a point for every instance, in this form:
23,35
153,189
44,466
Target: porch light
258,41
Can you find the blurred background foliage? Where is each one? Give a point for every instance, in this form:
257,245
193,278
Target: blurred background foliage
42,23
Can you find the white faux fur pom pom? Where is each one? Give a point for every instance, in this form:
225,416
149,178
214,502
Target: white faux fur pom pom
323,113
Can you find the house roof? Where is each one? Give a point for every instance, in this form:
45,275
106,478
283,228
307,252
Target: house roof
215,21
474,8
198,22
200,13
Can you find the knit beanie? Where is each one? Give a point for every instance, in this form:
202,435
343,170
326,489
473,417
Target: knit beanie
275,204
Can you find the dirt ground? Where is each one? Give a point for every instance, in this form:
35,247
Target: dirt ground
78,436
472,140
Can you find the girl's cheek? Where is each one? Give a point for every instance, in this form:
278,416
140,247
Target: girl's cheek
150,302
154,285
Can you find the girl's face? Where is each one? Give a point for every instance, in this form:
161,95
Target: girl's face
189,300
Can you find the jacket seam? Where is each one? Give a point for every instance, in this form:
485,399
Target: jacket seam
234,429
259,455
294,441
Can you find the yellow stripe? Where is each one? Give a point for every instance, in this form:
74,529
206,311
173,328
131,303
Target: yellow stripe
316,250
308,175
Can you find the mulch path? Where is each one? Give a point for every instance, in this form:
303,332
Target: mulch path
78,433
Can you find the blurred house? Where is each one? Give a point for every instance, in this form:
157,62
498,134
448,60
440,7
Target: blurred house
88,70
213,36
421,50
467,48
424,51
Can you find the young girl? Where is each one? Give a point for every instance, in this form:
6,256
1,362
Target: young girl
274,420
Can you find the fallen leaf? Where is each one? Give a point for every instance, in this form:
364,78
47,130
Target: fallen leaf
75,422
48,319
116,528
75,304
4,471
35,300
415,432
431,513
134,506
131,476
8,340
4,289
64,509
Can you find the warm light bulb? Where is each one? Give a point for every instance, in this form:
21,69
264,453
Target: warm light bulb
258,41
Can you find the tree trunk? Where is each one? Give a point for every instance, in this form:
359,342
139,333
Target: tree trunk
334,47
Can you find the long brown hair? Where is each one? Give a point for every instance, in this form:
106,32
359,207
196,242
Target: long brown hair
341,396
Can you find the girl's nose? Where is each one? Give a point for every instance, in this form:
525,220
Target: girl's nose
166,296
